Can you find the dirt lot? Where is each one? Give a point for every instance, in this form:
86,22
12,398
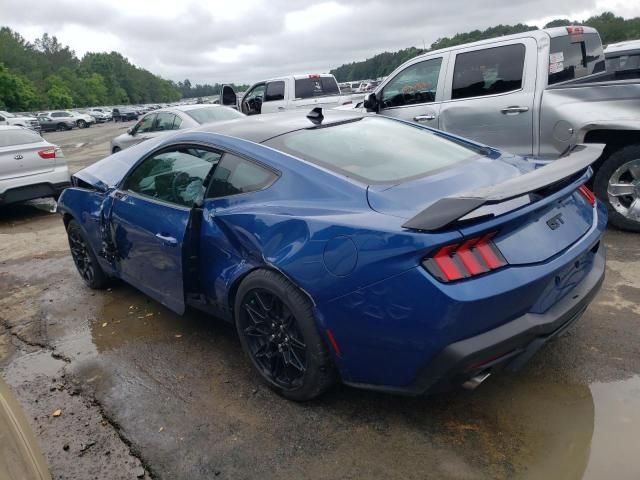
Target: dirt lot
145,393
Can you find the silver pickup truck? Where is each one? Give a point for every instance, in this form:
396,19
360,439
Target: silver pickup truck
534,94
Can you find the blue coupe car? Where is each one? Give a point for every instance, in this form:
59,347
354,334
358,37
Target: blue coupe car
348,247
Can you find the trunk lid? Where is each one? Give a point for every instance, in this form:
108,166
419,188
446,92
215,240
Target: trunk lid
23,160
534,207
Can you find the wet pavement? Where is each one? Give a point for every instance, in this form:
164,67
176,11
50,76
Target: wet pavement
174,397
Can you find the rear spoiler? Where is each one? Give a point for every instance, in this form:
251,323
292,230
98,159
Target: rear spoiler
449,209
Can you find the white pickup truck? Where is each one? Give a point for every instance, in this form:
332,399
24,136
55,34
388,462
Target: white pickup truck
287,93
7,118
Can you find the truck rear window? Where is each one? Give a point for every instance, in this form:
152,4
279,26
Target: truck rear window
574,56
316,87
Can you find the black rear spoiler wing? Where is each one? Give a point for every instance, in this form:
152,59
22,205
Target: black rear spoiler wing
449,209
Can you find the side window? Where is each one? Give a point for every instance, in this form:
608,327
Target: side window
414,85
176,176
489,71
56,114
235,175
144,125
275,91
164,121
177,122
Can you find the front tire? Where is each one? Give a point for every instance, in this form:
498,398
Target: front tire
62,127
278,332
84,258
617,184
82,124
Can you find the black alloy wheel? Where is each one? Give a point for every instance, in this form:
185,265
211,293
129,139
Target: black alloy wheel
81,257
276,324
273,338
84,258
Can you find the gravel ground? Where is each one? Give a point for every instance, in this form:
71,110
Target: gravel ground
145,393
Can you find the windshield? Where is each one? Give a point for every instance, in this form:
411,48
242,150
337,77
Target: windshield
375,149
7,114
575,56
213,114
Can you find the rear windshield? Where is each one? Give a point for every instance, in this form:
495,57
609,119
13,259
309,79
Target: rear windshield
622,62
316,87
213,114
575,56
375,149
18,137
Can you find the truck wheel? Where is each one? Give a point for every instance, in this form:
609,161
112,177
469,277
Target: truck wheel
278,332
617,183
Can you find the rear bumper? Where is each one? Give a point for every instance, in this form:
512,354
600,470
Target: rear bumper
509,346
46,184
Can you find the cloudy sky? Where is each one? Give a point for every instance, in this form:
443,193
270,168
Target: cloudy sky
249,40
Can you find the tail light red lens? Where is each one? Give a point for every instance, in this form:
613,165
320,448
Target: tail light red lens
47,153
587,194
472,257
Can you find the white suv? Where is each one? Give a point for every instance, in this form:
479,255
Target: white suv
30,167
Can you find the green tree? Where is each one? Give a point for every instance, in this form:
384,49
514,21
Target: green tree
16,92
58,94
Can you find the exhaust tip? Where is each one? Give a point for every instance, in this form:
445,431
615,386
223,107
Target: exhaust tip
474,382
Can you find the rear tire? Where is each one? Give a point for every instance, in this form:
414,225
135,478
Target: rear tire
86,262
619,169
278,332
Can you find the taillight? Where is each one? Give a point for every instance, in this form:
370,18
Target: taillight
587,194
472,257
48,153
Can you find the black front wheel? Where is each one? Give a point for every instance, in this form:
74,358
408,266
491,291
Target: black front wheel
84,258
277,330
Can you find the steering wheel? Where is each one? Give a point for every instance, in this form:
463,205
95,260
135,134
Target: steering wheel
179,184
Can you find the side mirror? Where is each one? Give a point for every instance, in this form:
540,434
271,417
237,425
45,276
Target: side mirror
130,131
371,103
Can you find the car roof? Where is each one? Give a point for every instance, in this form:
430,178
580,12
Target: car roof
260,128
625,46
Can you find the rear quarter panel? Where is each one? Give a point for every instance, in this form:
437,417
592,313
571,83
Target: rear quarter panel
568,113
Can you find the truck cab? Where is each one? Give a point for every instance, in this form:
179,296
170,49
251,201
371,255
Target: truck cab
287,93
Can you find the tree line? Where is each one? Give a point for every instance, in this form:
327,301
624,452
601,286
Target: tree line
612,29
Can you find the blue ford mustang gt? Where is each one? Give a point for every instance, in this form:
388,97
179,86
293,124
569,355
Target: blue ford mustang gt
344,246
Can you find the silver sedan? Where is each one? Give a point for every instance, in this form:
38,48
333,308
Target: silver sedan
161,122
30,167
